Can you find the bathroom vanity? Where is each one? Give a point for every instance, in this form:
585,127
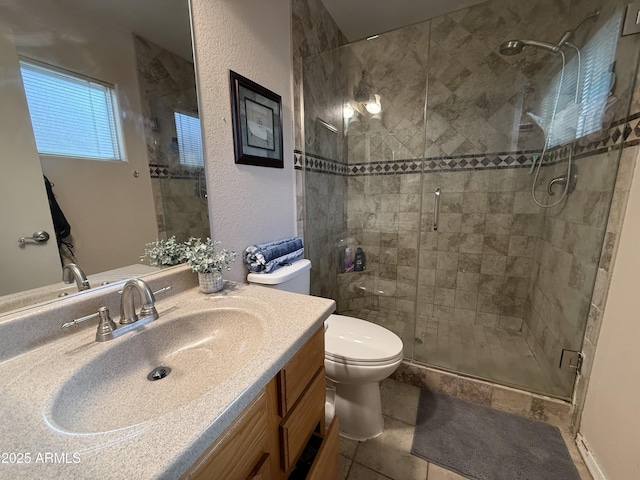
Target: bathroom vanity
285,420
244,397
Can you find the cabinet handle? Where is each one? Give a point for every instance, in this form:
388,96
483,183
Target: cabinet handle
436,209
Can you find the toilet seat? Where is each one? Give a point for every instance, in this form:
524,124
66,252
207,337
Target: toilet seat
353,341
360,363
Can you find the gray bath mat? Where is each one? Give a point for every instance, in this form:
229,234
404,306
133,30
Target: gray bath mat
481,443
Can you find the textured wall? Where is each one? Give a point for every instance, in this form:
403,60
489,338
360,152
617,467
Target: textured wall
247,204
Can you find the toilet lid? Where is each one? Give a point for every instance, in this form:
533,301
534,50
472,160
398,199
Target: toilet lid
352,339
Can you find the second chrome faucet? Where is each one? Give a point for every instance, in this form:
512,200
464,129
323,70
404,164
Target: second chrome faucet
71,272
128,315
127,305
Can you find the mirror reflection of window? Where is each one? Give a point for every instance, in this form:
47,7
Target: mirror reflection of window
189,139
576,98
72,115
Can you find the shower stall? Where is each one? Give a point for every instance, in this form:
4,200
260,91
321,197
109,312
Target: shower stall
472,157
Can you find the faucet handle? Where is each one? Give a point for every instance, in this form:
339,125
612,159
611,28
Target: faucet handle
106,325
162,290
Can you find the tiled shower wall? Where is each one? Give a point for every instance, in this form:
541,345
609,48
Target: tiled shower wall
321,191
566,259
474,269
167,84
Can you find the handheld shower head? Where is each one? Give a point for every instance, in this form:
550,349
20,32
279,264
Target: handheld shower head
515,47
511,47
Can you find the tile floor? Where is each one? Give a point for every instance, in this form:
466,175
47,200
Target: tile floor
495,354
388,455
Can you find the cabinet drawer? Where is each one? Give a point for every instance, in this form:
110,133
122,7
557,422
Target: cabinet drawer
296,375
325,465
300,423
240,451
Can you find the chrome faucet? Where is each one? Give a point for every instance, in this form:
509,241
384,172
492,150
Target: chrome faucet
127,306
71,272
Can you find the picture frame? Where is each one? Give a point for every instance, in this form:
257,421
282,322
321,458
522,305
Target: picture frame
257,123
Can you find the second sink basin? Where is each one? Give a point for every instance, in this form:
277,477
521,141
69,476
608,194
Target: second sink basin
112,391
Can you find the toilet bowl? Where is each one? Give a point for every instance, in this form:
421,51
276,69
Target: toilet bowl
358,355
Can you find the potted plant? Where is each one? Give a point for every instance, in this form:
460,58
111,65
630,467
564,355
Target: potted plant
208,262
163,253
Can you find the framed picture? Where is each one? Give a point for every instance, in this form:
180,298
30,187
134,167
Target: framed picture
257,123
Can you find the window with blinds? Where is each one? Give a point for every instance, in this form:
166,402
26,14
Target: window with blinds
71,115
582,90
189,139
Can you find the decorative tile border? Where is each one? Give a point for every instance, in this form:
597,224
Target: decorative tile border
622,134
317,163
179,172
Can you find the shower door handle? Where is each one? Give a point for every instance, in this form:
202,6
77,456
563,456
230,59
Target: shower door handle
436,209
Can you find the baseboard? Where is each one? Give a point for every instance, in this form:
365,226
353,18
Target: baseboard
589,460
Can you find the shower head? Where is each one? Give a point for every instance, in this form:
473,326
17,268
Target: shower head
514,47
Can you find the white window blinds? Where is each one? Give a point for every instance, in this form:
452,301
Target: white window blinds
189,140
72,116
584,88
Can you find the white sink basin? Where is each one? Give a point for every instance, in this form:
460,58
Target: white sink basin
201,350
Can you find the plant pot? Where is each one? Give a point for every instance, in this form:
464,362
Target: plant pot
210,282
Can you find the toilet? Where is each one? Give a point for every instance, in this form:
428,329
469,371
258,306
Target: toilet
358,355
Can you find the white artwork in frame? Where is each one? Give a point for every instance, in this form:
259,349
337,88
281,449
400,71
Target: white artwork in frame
259,125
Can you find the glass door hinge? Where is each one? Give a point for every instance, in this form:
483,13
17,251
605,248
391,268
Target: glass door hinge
571,360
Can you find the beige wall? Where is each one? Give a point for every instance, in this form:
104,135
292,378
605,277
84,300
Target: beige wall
21,184
110,211
247,204
611,421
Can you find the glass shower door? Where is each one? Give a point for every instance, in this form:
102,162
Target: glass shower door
507,284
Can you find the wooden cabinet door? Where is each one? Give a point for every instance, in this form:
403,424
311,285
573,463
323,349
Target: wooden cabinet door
240,451
325,466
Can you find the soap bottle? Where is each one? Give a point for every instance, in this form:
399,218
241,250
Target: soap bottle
361,260
348,260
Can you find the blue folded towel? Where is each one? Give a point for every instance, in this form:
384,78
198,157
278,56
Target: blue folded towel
266,257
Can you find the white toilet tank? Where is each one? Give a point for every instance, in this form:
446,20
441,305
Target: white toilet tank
290,278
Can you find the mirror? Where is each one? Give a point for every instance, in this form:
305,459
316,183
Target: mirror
140,52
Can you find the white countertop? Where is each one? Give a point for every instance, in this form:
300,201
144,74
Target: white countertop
163,447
